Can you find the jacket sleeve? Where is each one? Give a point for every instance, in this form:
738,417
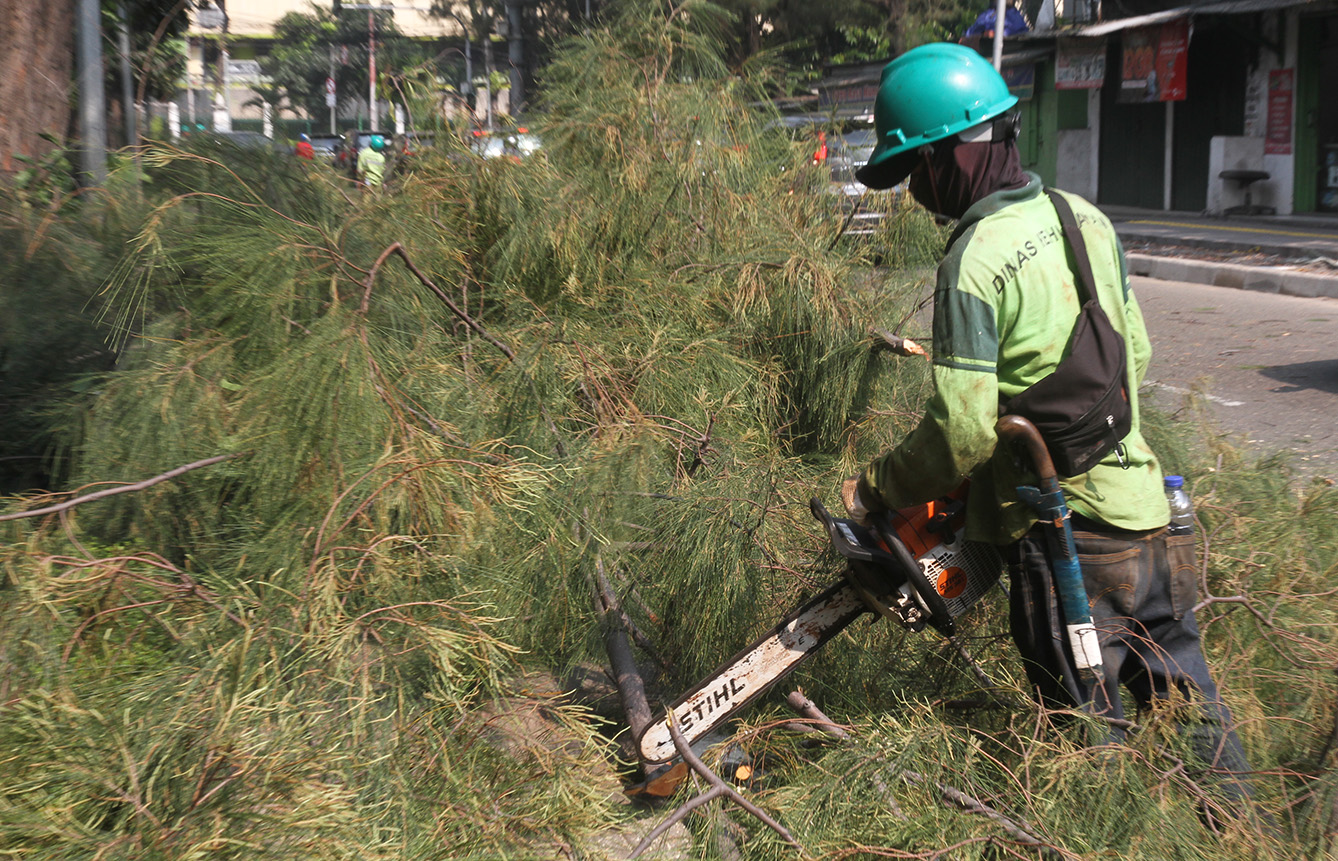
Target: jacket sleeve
956,434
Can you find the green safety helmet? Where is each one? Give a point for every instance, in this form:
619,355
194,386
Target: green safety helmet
927,94
377,143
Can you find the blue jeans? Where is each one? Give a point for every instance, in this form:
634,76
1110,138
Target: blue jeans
1142,587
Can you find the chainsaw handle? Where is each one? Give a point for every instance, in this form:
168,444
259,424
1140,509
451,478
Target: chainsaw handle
885,551
1048,502
1016,429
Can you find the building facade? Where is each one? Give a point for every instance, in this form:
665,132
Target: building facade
1151,110
228,38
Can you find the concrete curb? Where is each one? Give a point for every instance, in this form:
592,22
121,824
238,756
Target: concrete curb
1265,279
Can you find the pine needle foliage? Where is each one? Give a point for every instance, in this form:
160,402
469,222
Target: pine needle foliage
448,408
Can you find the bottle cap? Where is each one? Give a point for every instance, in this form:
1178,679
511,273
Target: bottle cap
1175,481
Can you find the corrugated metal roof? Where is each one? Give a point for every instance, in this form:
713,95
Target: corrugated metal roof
1229,7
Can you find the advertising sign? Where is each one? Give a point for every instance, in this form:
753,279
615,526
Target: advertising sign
1153,63
1173,60
244,71
1278,137
1080,64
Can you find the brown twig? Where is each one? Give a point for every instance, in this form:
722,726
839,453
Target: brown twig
817,720
703,448
113,491
1329,744
718,788
805,707
987,685
398,249
845,225
971,804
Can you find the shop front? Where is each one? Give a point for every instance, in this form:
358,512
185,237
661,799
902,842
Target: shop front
1317,112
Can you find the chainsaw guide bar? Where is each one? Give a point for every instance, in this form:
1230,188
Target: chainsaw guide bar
912,567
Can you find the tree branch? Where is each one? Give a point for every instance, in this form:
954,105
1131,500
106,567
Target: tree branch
718,788
973,805
113,491
817,720
897,344
951,795
397,248
631,688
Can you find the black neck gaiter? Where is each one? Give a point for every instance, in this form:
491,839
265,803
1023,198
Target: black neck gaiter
957,175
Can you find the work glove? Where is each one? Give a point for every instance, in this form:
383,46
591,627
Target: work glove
854,496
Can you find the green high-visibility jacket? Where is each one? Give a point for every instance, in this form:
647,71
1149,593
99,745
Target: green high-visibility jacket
371,167
1005,305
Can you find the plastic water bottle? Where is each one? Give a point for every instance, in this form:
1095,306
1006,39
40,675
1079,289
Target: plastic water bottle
1182,507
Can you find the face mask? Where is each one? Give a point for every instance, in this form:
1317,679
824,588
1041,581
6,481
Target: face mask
954,176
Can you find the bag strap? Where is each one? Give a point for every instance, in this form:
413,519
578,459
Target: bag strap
1086,283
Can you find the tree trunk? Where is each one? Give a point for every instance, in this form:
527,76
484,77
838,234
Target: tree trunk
36,64
896,26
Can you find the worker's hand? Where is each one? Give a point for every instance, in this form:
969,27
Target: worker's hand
850,498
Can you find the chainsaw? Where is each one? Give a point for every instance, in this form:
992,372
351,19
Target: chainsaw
913,566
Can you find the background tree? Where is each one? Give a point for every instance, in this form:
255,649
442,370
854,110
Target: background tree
158,46
805,36
36,62
812,35
300,61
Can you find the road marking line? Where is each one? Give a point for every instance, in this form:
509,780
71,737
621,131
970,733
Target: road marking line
1179,391
1236,229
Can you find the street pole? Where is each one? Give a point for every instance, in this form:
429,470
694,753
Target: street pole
516,54
371,70
127,80
469,63
999,13
487,70
334,101
92,99
222,112
469,57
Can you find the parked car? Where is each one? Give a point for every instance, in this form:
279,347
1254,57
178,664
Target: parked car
847,153
518,144
842,146
327,147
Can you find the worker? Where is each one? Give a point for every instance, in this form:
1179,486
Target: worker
304,148
1005,307
372,163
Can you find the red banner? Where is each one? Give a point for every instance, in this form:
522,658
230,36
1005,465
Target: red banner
1278,137
1154,63
1173,60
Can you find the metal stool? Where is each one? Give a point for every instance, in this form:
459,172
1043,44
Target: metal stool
1246,178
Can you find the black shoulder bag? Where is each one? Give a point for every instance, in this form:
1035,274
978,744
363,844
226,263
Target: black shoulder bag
1082,408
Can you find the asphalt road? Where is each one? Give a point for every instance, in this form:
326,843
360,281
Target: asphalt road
1267,364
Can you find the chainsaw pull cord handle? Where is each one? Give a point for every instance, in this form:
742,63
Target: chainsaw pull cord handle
1047,501
939,615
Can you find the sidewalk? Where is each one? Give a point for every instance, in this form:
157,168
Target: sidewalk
1273,254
